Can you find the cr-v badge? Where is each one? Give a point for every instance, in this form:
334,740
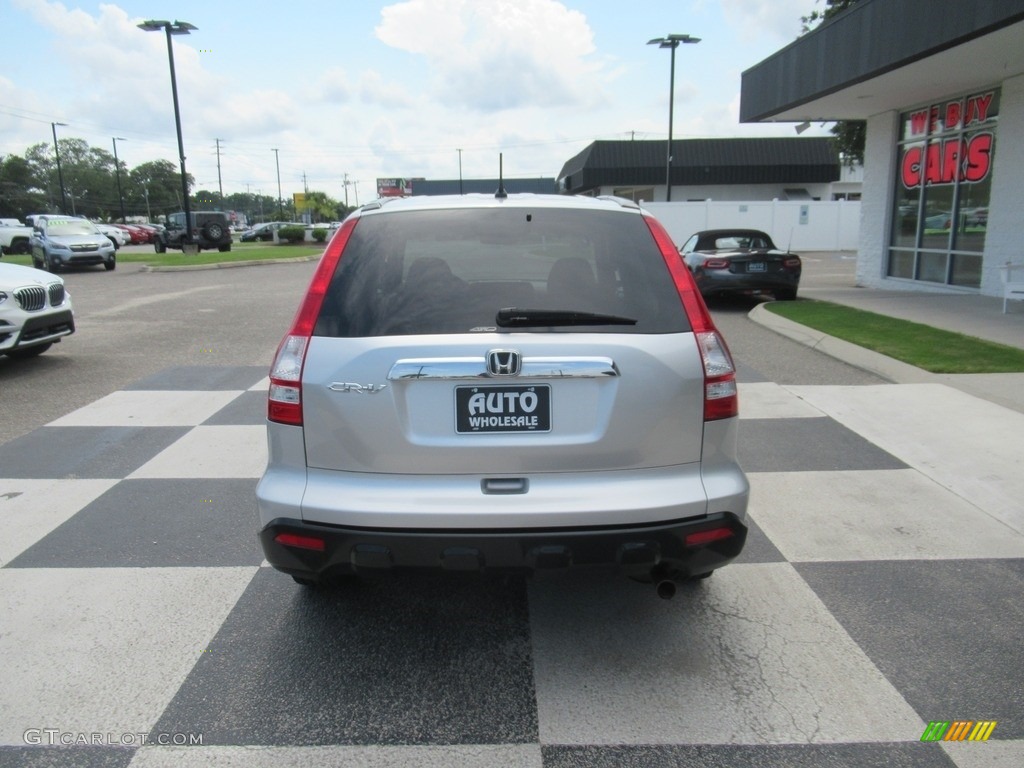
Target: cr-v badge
363,389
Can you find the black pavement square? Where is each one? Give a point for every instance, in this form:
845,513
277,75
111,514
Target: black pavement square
202,377
880,755
946,633
807,445
84,452
403,660
759,548
65,757
249,408
156,523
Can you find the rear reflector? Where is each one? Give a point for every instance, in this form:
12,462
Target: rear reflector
300,542
706,537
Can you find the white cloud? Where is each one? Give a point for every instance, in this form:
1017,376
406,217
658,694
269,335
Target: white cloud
754,19
490,55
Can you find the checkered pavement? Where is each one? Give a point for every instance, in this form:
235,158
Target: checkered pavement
880,589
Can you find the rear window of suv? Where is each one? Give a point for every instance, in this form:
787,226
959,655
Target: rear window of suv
450,271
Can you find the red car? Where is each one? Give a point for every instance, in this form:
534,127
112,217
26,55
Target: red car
138,236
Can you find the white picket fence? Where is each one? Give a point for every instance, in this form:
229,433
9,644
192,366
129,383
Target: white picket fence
799,226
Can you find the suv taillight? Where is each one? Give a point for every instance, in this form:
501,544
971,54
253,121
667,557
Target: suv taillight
721,400
284,400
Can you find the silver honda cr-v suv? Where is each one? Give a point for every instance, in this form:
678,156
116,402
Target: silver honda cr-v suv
516,383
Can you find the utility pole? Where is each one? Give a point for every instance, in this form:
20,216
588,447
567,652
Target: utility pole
280,205
220,186
305,194
345,184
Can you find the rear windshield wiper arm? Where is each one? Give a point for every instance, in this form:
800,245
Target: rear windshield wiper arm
514,317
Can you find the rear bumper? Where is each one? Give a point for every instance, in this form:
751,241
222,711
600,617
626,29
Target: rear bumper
718,282
658,551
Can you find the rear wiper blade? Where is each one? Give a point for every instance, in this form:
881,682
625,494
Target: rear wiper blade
514,317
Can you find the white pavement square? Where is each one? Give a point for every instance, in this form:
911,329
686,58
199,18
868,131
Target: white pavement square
148,408
753,652
104,649
896,514
768,400
211,452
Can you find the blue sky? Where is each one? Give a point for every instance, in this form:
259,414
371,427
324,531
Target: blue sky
379,89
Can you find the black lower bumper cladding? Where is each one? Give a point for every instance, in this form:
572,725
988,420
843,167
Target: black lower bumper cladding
674,550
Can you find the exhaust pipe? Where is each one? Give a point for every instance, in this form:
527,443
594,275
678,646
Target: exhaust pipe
666,589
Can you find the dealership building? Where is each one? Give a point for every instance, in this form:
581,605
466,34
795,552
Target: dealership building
941,86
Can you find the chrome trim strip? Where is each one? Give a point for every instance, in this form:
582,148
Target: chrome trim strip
458,368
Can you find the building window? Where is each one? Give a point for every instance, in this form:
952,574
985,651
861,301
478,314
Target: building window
943,185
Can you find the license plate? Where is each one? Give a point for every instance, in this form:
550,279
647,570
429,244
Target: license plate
511,408
756,266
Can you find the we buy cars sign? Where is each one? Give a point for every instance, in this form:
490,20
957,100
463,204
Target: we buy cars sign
966,158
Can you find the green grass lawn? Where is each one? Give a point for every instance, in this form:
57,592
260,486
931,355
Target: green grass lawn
238,252
928,348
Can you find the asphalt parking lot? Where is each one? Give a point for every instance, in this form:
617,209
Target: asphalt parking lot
879,592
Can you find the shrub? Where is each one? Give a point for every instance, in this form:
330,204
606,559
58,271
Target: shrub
319,234
294,234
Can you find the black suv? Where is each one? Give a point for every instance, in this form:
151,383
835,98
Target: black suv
210,229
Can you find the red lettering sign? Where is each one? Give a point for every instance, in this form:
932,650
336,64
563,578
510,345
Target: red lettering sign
911,170
951,115
953,111
918,123
979,157
948,161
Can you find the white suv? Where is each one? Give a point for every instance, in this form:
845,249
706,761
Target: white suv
512,383
35,311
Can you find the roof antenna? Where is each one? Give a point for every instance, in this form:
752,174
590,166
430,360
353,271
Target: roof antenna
501,193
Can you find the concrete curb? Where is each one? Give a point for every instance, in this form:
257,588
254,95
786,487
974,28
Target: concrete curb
228,264
893,370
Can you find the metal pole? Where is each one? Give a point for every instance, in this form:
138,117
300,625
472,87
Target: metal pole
220,186
672,42
181,143
280,206
671,110
117,170
460,170
60,173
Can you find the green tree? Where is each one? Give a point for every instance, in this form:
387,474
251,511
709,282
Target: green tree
154,188
19,193
321,206
848,135
205,200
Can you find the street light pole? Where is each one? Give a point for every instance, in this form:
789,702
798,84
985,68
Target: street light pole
672,42
460,170
60,173
117,170
176,28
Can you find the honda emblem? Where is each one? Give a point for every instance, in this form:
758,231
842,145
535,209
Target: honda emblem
504,362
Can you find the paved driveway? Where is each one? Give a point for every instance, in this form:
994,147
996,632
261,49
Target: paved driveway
880,589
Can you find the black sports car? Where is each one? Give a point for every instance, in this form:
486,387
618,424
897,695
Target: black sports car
744,261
